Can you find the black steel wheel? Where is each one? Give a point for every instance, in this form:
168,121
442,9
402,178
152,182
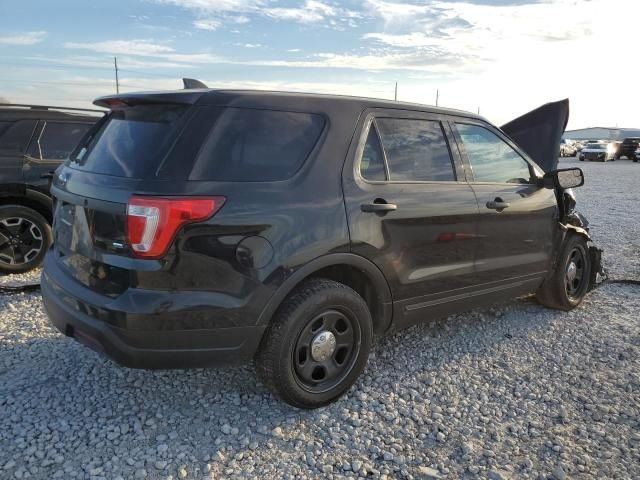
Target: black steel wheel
326,350
575,271
317,344
25,236
569,283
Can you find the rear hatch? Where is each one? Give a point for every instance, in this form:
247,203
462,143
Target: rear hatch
129,152
153,148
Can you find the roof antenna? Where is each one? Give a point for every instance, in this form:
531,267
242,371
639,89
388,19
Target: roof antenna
190,83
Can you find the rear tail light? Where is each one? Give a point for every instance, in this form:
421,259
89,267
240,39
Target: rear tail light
153,222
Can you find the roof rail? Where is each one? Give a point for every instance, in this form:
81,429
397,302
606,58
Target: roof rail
49,107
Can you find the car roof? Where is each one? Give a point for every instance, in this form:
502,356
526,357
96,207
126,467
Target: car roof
267,98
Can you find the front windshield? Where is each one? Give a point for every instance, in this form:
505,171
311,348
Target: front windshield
596,146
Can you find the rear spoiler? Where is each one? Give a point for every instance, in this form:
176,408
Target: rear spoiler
193,90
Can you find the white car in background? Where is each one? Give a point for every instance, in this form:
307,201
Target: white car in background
601,152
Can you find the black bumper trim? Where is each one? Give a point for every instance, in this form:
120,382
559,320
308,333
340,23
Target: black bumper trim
151,348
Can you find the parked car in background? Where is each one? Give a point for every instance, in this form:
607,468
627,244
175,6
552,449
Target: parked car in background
34,141
601,152
567,148
615,147
201,227
628,148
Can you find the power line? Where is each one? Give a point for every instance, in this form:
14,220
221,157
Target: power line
115,64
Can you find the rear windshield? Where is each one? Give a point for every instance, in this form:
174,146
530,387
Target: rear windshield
249,145
133,141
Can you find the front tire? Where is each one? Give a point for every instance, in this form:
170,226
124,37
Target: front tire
568,285
317,344
25,237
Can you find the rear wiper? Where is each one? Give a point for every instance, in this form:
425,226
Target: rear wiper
91,133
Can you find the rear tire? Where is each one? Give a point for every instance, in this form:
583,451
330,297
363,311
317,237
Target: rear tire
568,285
25,237
316,345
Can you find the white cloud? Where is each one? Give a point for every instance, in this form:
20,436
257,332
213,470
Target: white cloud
144,48
27,38
217,6
312,11
236,11
209,24
124,47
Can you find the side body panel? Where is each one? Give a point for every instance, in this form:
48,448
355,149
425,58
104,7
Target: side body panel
515,246
425,247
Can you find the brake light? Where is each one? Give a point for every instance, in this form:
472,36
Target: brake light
116,103
153,222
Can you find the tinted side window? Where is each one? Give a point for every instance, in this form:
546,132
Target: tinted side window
58,140
16,137
491,159
247,145
372,162
4,126
416,150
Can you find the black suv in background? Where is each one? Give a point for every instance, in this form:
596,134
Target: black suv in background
34,141
203,227
628,148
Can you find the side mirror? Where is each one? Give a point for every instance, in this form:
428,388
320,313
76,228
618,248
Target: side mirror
564,178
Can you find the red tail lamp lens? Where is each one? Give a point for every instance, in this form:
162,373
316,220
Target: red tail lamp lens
153,222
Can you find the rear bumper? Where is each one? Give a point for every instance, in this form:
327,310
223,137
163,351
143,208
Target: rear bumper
162,343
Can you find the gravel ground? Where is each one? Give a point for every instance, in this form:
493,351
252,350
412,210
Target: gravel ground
516,391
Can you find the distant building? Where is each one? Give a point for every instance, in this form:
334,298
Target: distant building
601,133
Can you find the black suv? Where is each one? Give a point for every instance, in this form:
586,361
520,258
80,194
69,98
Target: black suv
34,141
204,227
628,148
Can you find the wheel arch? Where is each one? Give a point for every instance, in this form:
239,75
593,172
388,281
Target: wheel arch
27,197
354,271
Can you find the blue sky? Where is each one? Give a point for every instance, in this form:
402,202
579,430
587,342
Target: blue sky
503,57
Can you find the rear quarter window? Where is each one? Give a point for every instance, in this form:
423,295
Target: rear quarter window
16,136
58,139
251,145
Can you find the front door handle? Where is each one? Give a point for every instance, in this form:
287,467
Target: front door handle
378,207
498,204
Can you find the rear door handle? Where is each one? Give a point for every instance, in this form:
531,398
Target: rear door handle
378,207
498,204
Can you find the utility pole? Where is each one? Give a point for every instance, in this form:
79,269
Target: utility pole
395,95
437,96
115,64
478,110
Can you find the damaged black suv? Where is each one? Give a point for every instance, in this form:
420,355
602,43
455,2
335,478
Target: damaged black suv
204,227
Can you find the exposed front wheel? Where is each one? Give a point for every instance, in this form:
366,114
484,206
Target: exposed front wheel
317,344
25,237
568,285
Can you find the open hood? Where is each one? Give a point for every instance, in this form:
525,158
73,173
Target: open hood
540,131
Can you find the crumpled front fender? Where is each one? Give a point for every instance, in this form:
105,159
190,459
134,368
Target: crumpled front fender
598,272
